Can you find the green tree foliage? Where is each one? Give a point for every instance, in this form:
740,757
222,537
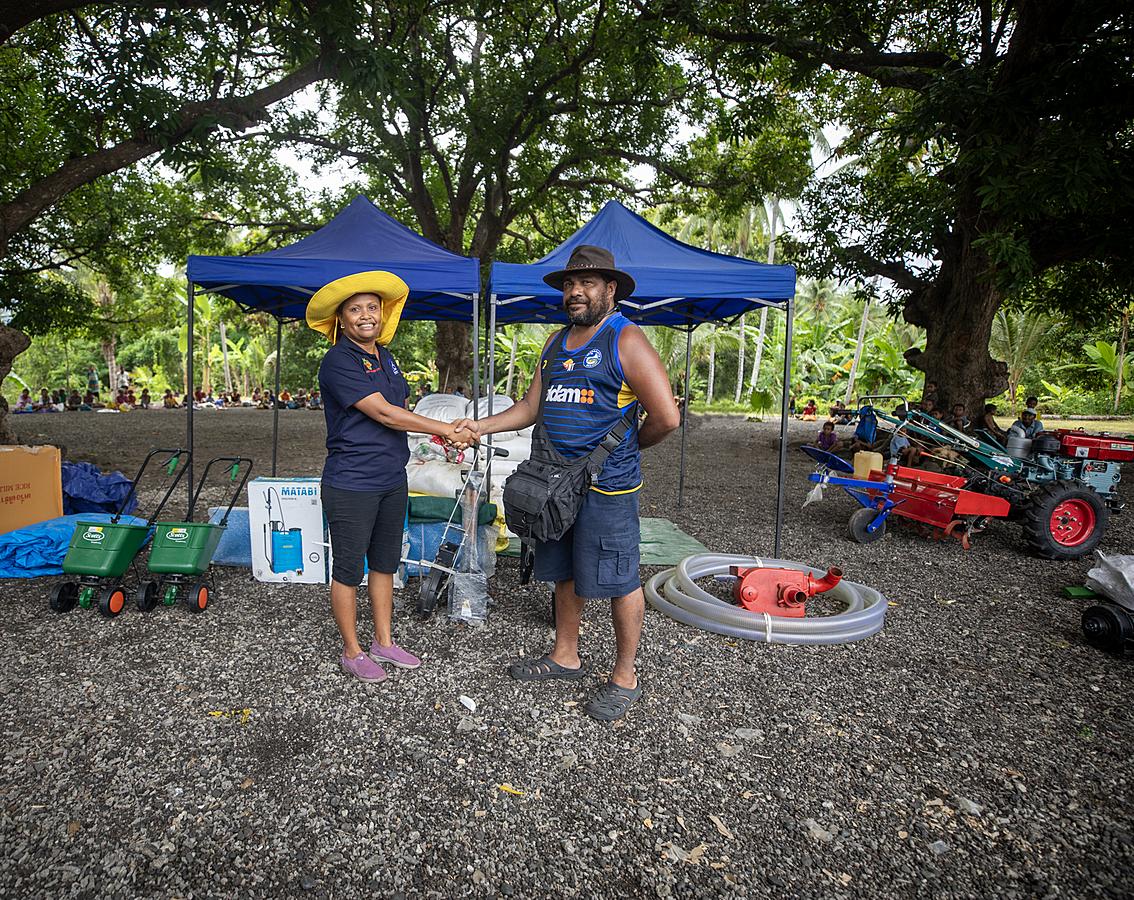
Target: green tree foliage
991,143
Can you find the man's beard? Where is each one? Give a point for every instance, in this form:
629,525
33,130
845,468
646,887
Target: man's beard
594,313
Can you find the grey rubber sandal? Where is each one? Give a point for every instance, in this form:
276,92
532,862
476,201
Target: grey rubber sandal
612,701
544,668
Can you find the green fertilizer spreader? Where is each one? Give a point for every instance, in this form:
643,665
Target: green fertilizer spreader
101,552
182,551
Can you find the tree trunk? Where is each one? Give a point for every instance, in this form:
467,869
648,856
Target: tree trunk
512,361
712,364
1121,361
12,344
224,353
857,352
454,355
957,311
759,350
740,362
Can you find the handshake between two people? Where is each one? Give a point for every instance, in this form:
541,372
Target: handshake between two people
461,433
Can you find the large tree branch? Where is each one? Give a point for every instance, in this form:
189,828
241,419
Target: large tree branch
237,113
18,15
894,271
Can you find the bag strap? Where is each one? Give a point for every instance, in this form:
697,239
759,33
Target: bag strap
596,459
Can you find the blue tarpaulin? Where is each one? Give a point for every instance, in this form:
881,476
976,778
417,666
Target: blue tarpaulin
677,284
86,489
39,549
361,237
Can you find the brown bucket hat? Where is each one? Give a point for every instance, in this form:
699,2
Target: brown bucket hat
587,257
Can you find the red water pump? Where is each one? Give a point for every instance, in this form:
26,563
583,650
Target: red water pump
779,592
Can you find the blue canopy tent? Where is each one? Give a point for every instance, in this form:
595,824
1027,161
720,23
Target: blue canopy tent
678,285
443,285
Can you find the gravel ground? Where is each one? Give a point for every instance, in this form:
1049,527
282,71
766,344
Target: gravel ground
976,747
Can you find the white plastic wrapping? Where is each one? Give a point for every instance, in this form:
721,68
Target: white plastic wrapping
1113,577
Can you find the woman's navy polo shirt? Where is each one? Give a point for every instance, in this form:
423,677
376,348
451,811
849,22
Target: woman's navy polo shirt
362,455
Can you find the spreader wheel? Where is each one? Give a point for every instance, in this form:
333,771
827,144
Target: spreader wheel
198,597
146,597
1065,520
64,597
111,600
859,520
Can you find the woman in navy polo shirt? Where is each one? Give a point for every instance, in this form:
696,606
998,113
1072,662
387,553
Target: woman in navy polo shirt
364,478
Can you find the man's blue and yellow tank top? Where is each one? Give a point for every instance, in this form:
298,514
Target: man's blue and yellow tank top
585,394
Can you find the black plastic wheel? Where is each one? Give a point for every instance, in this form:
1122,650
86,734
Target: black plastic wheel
112,600
859,520
64,597
198,597
1109,627
429,592
146,597
1064,520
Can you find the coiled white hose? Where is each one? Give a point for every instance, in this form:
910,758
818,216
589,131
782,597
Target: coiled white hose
675,593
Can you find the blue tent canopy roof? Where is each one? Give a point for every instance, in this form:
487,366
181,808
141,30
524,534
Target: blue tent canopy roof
677,284
359,238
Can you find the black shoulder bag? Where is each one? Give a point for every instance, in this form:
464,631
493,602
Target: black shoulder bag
543,496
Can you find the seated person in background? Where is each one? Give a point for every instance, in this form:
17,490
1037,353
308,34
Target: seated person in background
168,401
234,398
828,440
1032,403
938,414
199,396
144,402
841,415
300,401
91,401
24,404
988,422
929,396
74,401
809,411
900,447
315,401
265,400
1027,426
958,419
255,396
285,399
130,398
44,404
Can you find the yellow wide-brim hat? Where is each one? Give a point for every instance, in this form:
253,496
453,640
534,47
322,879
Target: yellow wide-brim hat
325,302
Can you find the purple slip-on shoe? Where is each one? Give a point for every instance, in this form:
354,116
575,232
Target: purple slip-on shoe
394,655
363,668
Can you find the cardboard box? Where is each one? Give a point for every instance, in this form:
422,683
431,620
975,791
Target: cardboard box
287,530
31,489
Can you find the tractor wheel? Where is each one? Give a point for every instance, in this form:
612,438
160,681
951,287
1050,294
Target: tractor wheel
146,597
1065,520
198,597
64,597
111,600
859,521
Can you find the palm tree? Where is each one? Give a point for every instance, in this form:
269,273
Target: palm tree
1017,336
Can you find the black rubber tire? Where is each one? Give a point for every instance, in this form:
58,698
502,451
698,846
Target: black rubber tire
429,592
859,519
1036,520
198,597
64,597
1108,627
146,596
112,600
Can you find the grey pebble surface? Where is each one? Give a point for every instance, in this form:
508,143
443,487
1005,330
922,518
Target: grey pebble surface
976,747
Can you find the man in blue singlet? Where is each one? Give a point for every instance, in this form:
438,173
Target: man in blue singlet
591,374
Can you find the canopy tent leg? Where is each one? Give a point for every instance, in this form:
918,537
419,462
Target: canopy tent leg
684,418
490,353
783,430
476,354
276,403
192,294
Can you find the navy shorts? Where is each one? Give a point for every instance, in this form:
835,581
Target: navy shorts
364,524
600,551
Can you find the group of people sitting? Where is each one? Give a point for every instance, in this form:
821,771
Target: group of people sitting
866,437
258,399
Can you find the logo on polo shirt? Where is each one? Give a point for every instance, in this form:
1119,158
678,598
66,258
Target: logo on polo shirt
367,365
568,364
394,366
592,359
559,393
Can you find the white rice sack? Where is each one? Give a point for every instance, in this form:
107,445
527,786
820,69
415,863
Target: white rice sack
443,407
1113,577
434,477
479,409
